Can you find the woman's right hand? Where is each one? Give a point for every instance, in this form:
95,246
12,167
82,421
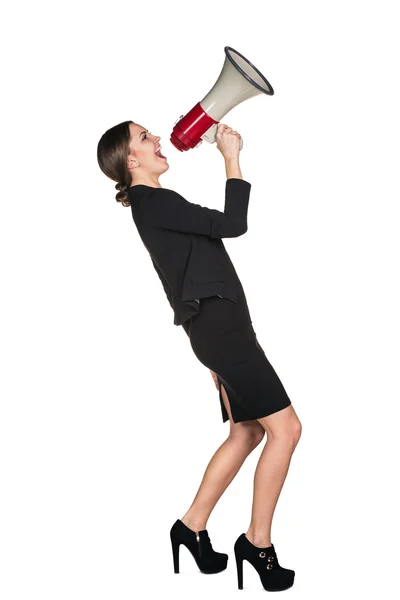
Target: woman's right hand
228,141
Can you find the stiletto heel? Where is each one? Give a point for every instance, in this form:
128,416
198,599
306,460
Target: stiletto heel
239,568
175,554
273,577
199,545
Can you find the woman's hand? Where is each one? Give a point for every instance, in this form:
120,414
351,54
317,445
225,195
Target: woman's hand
228,141
214,376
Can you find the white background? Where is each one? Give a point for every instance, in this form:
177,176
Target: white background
108,419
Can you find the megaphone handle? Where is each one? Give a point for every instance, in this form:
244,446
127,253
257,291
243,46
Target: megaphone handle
210,136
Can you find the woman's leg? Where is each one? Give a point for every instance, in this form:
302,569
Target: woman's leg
283,430
223,466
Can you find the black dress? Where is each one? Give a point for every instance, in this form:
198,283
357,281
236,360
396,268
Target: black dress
184,241
223,339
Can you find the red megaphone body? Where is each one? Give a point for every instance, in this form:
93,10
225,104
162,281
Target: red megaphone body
239,80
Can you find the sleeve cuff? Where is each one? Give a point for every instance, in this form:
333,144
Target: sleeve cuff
235,181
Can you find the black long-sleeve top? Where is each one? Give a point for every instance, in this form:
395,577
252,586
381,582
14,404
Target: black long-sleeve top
184,241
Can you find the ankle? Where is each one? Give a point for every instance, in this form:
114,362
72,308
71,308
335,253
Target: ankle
194,523
258,539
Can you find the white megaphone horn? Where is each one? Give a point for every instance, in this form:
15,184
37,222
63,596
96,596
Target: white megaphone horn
239,80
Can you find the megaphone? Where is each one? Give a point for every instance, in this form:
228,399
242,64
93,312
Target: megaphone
238,81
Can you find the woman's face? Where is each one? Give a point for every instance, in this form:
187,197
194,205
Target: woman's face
143,160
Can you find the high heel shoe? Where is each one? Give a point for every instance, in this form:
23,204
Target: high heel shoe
199,545
273,577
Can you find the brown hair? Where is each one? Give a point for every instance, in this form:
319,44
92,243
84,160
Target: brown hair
112,152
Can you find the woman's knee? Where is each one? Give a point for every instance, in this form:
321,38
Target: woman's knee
249,433
283,425
292,432
289,435
258,435
296,431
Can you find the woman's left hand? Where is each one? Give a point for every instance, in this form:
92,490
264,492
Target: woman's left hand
214,376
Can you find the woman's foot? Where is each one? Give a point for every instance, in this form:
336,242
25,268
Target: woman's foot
199,545
273,577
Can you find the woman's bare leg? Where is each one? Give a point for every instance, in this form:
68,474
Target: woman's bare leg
223,466
283,430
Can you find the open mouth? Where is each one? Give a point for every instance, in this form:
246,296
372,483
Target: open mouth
158,153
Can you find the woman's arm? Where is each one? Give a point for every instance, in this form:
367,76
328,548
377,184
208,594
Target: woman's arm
232,168
166,209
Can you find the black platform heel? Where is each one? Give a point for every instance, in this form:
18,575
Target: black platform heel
199,545
274,578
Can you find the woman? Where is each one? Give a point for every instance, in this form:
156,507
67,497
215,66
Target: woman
184,241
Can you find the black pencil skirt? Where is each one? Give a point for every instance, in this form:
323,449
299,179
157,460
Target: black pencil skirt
223,339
